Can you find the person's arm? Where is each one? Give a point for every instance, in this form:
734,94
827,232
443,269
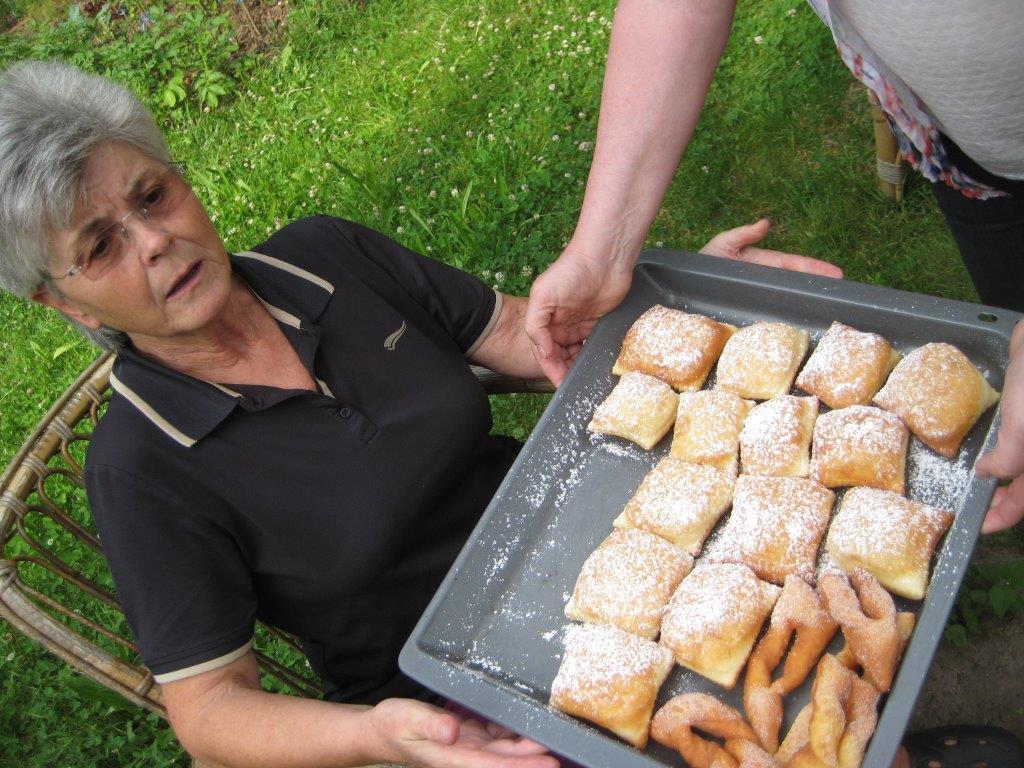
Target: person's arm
1006,460
223,717
507,348
661,59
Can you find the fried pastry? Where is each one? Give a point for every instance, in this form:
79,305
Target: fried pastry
776,526
834,729
680,502
860,445
673,725
611,678
640,408
776,437
627,582
867,614
708,425
892,537
760,361
676,347
939,393
798,616
713,619
847,367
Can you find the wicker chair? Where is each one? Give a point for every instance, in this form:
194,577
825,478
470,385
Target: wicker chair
54,584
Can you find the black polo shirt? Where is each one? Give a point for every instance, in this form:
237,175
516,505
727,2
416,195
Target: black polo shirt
333,515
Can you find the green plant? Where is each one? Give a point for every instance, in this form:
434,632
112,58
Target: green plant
991,592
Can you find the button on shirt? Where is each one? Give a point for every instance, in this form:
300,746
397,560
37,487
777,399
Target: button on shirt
333,514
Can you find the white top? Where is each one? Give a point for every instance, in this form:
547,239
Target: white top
963,58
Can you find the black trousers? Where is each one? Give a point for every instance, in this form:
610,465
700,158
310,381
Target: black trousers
989,233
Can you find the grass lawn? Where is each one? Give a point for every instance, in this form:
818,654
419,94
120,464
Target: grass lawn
464,130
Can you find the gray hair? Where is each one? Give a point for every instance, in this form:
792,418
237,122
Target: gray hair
52,117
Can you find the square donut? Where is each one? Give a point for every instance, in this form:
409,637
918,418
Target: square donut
760,361
860,445
889,536
640,408
848,366
627,582
714,618
674,346
611,678
939,394
680,502
776,437
708,425
776,526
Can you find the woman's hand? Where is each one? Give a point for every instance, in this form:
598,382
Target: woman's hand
414,733
1006,460
739,244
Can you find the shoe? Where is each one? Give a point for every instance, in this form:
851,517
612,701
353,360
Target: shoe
964,746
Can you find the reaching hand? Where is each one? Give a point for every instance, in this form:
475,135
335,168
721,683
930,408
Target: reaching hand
739,243
1006,460
414,733
565,302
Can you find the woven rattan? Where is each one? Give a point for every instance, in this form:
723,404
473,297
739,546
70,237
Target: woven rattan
54,584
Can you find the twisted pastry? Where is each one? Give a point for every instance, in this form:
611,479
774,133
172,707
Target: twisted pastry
798,611
673,726
868,619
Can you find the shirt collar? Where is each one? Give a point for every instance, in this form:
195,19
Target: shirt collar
185,408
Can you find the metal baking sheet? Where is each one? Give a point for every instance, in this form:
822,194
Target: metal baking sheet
491,639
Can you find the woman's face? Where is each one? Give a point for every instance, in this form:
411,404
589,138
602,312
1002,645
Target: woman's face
170,276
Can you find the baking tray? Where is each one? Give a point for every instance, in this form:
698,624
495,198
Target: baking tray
491,639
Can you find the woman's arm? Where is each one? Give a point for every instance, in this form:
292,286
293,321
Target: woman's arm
223,717
661,59
507,349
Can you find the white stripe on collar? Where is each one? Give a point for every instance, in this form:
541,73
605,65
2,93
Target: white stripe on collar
284,265
147,410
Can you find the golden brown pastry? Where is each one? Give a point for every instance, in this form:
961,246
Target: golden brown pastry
676,347
776,526
679,501
892,537
708,425
799,612
611,678
776,437
860,445
867,615
847,367
627,582
939,393
834,729
640,408
674,725
713,619
760,361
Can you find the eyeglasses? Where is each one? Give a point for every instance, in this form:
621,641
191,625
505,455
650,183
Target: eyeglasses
159,199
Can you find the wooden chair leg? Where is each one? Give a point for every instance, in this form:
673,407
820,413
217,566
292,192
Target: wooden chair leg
892,174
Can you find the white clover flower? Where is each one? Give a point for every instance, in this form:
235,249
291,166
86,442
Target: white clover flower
486,274
312,192
401,209
10,656
659,244
758,39
704,168
524,187
526,271
432,194
585,146
490,137
400,230
551,86
499,276
555,137
791,12
455,191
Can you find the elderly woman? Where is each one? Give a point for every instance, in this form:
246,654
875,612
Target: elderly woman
295,434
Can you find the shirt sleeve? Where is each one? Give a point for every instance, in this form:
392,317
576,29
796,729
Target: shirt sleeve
180,578
461,303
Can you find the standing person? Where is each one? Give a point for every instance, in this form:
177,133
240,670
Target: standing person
950,77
